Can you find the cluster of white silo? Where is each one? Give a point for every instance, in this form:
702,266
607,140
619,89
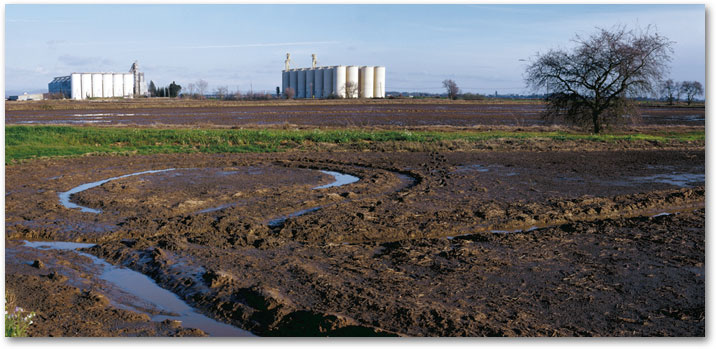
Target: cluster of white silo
100,85
342,81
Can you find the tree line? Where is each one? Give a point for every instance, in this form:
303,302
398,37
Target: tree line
172,90
672,91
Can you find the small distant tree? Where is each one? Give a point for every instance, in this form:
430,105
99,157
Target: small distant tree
191,89
289,93
152,89
593,83
278,92
221,92
174,89
670,91
691,89
451,88
201,87
351,89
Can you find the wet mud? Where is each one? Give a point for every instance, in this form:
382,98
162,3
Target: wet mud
417,246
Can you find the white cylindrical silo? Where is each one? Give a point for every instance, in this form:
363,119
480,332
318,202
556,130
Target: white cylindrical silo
339,81
284,81
352,81
107,86
293,81
117,85
96,85
318,83
76,82
86,85
328,81
310,82
301,93
366,82
379,82
128,85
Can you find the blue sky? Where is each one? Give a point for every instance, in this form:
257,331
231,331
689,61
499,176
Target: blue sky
243,46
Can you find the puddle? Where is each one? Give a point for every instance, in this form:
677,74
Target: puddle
340,179
144,288
65,196
676,179
279,221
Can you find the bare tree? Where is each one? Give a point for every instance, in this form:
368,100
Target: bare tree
691,89
191,89
671,91
451,88
289,93
201,87
351,89
222,91
592,84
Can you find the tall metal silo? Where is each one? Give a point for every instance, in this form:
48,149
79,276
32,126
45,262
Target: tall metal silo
117,85
86,85
352,81
107,87
339,81
128,86
310,82
328,81
96,85
293,81
285,76
76,82
301,93
318,83
366,82
379,82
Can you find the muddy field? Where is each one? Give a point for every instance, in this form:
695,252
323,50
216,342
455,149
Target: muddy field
384,114
515,243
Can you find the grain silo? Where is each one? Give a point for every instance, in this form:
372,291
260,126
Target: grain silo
86,79
293,81
328,81
76,79
379,82
301,93
107,88
96,85
285,76
318,83
339,81
310,82
366,82
118,85
352,82
128,85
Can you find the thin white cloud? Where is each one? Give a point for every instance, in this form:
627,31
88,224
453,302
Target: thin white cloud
273,44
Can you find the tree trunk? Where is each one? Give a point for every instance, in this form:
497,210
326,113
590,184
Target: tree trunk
595,121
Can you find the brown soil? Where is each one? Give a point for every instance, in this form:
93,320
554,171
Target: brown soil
416,247
326,114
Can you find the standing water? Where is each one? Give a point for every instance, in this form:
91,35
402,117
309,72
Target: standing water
144,288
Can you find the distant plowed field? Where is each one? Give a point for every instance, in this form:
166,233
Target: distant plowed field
350,114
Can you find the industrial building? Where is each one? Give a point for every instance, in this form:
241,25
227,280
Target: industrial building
340,81
100,85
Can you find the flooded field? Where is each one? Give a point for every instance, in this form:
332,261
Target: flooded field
400,233
512,243
399,114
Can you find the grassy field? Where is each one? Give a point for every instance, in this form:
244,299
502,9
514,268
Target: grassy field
26,142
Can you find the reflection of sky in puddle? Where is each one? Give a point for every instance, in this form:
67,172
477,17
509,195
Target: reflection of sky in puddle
144,288
340,179
65,196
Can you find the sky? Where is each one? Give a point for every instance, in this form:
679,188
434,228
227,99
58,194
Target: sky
483,48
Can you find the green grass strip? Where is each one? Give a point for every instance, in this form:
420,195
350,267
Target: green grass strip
25,142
